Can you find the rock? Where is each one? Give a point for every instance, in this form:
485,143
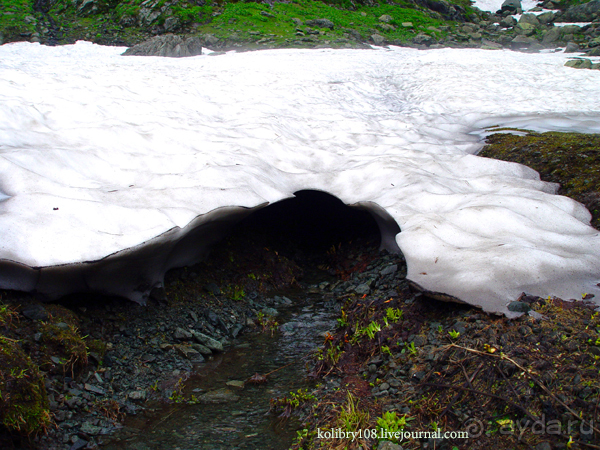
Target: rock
570,29
572,47
78,444
297,22
508,22
138,395
511,6
187,351
219,396
543,446
551,36
209,342
213,289
387,445
168,45
530,19
386,18
586,12
523,42
87,8
545,18
35,312
407,24
202,349
594,43
362,289
377,39
182,334
579,63
525,29
389,270
235,383
90,429
270,312
94,389
171,24
519,307
320,23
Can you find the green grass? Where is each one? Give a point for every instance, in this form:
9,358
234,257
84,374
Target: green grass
12,19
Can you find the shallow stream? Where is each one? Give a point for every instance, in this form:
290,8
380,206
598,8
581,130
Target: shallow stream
241,419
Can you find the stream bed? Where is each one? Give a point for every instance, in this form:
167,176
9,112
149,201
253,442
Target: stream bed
232,417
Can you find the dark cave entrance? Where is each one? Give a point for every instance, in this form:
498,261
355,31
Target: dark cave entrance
313,221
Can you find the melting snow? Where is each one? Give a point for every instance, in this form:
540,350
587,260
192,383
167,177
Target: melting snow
113,169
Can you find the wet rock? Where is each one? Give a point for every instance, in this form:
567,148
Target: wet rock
187,351
78,444
235,383
207,341
270,312
219,396
94,389
389,270
202,349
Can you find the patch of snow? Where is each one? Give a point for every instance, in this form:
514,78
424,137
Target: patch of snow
119,168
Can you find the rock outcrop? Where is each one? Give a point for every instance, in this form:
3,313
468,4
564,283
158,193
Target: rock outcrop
169,45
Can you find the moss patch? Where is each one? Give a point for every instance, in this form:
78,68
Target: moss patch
23,400
571,159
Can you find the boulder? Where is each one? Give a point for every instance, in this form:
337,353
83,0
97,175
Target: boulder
511,6
551,36
523,42
168,45
547,17
582,13
572,47
530,19
579,63
385,18
377,39
320,23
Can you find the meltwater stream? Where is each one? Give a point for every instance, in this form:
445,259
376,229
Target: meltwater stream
245,422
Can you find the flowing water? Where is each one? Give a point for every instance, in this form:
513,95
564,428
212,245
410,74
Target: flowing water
242,419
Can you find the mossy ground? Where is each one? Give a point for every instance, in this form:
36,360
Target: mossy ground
571,159
232,22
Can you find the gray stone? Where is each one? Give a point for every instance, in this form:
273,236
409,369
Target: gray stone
525,29
35,312
202,349
572,47
508,22
522,42
582,13
219,396
386,18
423,39
530,19
320,23
362,289
297,22
168,45
519,307
543,446
86,8
138,395
182,334
387,445
188,352
551,36
570,29
171,24
579,63
90,429
512,6
377,39
547,17
209,342
389,270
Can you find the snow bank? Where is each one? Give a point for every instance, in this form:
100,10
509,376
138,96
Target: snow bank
114,169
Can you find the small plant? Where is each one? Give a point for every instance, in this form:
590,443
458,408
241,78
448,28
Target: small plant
390,424
333,354
177,394
343,320
454,334
351,417
412,350
386,350
369,331
394,314
267,323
